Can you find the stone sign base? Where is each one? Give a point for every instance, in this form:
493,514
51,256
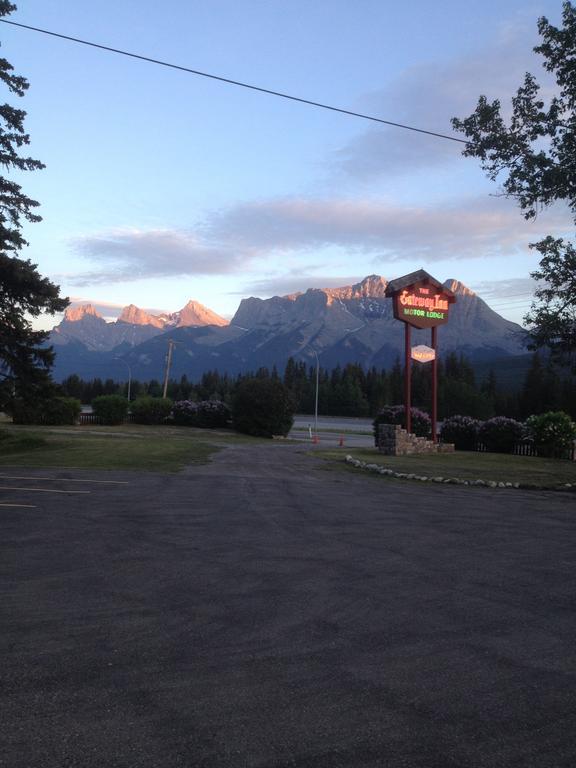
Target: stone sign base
395,441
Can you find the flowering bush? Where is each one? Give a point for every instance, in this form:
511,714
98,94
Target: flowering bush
395,414
184,413
462,431
208,414
500,434
552,432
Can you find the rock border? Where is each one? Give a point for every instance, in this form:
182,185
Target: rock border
380,470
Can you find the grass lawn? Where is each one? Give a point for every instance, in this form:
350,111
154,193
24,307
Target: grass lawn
156,449
465,465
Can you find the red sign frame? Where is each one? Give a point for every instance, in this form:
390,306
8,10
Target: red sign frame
422,305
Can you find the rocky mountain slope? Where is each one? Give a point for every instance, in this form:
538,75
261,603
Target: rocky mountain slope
341,325
134,326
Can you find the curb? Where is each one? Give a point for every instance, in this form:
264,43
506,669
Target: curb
380,470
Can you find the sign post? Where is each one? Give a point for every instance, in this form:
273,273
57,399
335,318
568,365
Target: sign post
408,376
434,414
420,301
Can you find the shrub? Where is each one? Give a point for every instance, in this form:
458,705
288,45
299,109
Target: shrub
110,409
52,412
207,414
462,431
552,432
151,410
500,434
396,414
263,407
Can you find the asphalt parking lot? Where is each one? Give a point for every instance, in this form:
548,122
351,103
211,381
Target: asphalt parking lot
263,611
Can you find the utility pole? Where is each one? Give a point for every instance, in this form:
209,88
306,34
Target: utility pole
171,345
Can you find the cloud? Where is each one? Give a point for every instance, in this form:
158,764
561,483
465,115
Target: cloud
128,255
283,285
390,151
511,288
249,234
108,309
473,228
427,96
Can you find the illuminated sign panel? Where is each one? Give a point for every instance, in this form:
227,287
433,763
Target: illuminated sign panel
423,354
422,306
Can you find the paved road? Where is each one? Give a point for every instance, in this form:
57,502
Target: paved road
334,439
346,424
335,431
264,612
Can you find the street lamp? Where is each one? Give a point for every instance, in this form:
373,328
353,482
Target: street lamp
316,399
120,359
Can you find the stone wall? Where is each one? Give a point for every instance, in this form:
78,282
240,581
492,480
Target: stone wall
395,441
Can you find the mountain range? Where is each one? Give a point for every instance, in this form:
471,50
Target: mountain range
341,325
86,325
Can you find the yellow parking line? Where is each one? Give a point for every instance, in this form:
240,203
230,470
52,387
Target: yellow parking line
28,506
37,490
64,479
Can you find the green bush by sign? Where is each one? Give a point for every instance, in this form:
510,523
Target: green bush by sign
110,409
151,410
552,432
263,407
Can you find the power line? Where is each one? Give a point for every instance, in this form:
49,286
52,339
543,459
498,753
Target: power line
505,303
510,307
505,297
238,83
509,300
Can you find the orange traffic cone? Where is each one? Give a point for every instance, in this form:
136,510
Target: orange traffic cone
315,439
341,442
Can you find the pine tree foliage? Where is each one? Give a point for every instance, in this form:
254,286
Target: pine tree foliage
535,153
24,293
545,387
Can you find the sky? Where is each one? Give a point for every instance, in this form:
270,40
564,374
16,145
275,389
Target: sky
161,186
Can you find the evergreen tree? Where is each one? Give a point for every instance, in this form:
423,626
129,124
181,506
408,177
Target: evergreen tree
567,401
97,388
24,363
184,388
421,385
73,386
297,381
535,153
154,388
207,389
377,390
541,389
458,393
396,383
490,386
110,387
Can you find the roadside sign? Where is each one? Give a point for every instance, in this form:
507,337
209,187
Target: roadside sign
423,354
420,301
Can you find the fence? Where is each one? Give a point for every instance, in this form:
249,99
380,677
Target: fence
91,418
529,449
